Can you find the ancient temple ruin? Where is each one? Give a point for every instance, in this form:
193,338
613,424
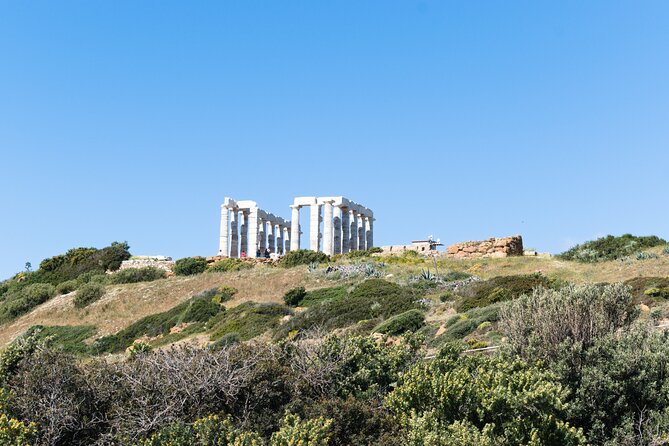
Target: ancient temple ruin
347,226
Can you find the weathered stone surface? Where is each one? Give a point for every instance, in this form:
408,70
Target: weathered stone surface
166,265
493,247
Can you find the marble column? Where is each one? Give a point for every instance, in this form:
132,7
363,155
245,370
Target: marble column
270,236
252,233
353,245
234,234
315,227
223,242
244,232
278,238
345,230
337,230
362,233
295,228
286,240
370,232
262,236
328,234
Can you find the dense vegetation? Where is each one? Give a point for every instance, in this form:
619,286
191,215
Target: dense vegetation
611,248
359,361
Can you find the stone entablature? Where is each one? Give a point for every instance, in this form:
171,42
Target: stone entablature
493,247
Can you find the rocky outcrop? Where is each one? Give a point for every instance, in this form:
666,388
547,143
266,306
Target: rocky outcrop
493,247
166,265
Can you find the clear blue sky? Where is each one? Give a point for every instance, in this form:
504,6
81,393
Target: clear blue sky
127,120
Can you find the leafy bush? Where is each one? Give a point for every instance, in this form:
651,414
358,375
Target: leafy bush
19,301
498,401
409,321
643,255
372,299
610,248
199,308
647,289
67,338
452,276
225,265
248,320
297,432
498,289
538,325
323,295
209,431
87,294
461,325
189,266
137,348
67,287
92,277
294,296
134,275
302,257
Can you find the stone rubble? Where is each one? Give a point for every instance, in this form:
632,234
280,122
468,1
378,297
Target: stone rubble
493,247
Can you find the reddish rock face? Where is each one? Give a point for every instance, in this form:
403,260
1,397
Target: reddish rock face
494,247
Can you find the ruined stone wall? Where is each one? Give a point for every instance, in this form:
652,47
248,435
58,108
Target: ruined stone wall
493,247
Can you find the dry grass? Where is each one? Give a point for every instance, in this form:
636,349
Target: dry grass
124,304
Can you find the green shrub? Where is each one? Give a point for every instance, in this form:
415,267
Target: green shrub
302,257
199,308
67,287
225,265
134,275
498,289
648,290
323,295
294,296
95,276
452,276
38,293
446,296
68,338
610,248
208,431
189,266
409,321
372,299
248,320
87,294
461,325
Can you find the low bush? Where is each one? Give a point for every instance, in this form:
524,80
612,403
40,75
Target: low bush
189,266
302,257
372,299
199,308
323,295
67,338
462,325
67,287
225,265
92,277
248,320
134,275
648,290
87,294
409,321
294,296
610,248
452,276
19,301
498,289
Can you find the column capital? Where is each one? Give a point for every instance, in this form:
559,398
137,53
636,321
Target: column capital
296,206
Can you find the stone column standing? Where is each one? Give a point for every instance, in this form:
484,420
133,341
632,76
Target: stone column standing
353,245
328,221
234,234
370,232
278,238
315,228
286,240
345,230
245,232
295,228
337,230
362,233
270,236
223,242
262,236
253,233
